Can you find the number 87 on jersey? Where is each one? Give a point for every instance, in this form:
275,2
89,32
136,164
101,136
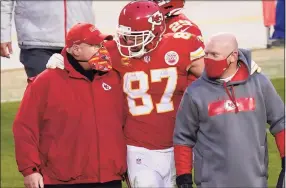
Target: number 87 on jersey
137,85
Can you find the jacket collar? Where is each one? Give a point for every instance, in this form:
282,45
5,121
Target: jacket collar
75,70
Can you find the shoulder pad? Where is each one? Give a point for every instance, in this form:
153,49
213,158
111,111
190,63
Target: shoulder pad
183,35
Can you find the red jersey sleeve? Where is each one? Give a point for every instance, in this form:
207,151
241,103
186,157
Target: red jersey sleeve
193,29
280,138
192,47
183,159
116,58
196,48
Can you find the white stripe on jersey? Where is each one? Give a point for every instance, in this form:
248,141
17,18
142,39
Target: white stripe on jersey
197,54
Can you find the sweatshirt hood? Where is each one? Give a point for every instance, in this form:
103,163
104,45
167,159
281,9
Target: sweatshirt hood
240,77
243,73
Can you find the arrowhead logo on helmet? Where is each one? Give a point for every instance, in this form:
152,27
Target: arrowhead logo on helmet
156,19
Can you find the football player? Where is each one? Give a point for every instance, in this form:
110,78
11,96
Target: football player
176,21
154,68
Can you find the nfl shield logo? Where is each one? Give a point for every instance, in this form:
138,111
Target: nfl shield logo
147,59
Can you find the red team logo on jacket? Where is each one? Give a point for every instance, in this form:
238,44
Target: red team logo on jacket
226,106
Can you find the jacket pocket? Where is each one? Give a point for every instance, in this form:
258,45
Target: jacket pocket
205,165
262,160
120,160
113,150
201,167
63,165
198,161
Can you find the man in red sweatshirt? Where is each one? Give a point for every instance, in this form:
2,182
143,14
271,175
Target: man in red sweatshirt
68,130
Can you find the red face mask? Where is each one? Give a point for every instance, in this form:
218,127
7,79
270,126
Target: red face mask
215,68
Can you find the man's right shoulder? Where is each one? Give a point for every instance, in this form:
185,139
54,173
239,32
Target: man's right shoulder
263,80
116,57
197,87
47,76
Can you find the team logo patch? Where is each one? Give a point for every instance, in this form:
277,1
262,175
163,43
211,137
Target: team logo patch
171,58
156,19
106,87
226,106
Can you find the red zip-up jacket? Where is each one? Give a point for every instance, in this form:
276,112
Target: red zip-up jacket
70,129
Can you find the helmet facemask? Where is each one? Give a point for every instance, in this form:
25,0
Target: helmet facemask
141,27
140,39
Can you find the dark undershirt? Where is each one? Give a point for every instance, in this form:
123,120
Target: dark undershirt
89,74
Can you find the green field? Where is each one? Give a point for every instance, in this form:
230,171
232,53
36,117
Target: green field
10,177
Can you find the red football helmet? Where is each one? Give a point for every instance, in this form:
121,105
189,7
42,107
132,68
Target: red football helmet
141,27
170,7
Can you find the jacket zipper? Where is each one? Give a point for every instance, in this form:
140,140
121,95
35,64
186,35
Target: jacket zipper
97,134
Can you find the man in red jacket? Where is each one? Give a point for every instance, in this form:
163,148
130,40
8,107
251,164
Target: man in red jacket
68,129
